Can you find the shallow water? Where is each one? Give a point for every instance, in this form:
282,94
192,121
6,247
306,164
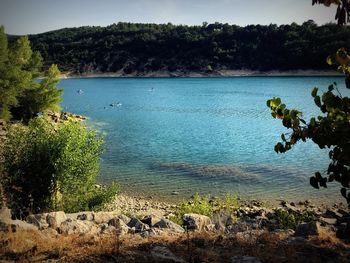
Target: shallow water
206,135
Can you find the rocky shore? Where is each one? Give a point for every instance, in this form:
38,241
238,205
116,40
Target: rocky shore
197,74
138,230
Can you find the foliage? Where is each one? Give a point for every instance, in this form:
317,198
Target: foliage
49,166
290,220
141,48
343,10
202,206
331,130
22,95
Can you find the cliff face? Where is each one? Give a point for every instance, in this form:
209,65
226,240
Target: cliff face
142,49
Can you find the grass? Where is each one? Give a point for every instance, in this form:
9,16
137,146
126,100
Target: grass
203,206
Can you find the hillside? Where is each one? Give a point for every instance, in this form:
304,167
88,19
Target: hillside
142,48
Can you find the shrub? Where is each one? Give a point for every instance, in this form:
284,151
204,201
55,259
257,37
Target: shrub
52,166
290,220
201,205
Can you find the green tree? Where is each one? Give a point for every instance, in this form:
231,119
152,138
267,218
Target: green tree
22,95
330,130
52,166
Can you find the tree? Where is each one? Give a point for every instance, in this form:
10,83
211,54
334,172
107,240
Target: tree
22,95
330,130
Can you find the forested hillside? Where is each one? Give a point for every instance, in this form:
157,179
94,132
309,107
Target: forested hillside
141,48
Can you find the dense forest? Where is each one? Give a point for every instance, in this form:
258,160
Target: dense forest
141,48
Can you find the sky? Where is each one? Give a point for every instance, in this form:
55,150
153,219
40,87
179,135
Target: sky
36,16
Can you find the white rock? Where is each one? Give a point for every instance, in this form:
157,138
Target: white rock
55,219
195,221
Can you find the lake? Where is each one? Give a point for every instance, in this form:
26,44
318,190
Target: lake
167,136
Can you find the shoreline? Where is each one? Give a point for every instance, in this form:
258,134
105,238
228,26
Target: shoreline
215,74
138,203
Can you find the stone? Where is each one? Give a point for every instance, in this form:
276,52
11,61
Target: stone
163,254
103,217
119,225
106,229
150,220
39,220
332,213
137,225
124,218
69,227
5,215
328,221
196,221
151,232
55,219
169,225
16,225
86,216
308,229
245,259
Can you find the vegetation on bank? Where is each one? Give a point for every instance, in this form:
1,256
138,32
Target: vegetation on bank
141,48
45,165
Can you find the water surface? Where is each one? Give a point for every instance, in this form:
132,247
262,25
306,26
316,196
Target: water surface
206,135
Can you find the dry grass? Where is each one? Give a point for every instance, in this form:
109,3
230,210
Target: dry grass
29,246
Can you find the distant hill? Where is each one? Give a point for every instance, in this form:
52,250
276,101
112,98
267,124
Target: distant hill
142,48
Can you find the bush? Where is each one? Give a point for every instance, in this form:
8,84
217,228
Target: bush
52,166
202,206
290,220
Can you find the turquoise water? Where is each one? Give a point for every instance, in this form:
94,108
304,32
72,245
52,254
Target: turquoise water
206,135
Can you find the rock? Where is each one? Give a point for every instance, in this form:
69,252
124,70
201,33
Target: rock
49,232
169,225
343,212
308,229
175,193
5,215
103,217
163,254
137,225
328,221
195,221
249,236
245,259
151,220
39,220
86,216
119,225
291,208
16,225
107,229
77,227
151,232
332,213
124,218
55,219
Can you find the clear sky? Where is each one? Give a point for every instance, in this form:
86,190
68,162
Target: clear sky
35,16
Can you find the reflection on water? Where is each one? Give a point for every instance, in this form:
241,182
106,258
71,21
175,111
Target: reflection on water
207,135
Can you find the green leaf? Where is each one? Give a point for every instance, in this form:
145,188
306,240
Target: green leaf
283,137
314,92
318,101
314,182
331,60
